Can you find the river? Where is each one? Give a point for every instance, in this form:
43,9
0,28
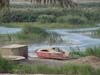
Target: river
71,38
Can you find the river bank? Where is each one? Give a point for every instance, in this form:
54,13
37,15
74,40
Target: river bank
68,39
89,65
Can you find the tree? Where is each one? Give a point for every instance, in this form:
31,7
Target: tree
67,3
4,3
63,3
4,7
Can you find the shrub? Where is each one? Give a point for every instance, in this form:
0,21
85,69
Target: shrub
72,19
46,18
62,19
32,34
78,16
88,52
6,66
76,20
93,15
93,51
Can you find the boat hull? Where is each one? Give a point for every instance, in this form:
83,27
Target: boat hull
51,55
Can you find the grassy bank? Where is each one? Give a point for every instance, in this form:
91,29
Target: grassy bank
6,66
88,52
30,34
47,25
53,17
68,69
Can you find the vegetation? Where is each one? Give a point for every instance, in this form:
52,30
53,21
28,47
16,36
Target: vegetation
88,52
4,3
6,66
32,34
47,25
72,19
33,31
46,19
93,4
61,3
84,15
68,69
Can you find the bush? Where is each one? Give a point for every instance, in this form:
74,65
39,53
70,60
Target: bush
76,20
93,51
46,18
6,66
32,34
93,15
62,19
69,69
77,16
19,16
88,52
72,19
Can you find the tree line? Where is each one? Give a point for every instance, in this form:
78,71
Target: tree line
63,3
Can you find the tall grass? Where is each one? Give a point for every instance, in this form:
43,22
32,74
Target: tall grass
31,34
51,15
72,19
88,52
69,69
93,51
6,66
46,19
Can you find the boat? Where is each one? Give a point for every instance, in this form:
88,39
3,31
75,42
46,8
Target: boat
52,53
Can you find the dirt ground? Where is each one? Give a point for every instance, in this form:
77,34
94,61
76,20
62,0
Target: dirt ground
91,60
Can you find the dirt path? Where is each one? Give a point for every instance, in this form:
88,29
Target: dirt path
91,60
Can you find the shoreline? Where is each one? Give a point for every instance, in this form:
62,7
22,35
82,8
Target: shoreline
89,60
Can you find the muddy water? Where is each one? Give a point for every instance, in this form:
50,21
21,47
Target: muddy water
70,38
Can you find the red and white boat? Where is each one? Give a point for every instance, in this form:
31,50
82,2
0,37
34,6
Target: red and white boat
52,53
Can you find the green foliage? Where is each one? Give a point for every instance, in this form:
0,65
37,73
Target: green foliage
32,34
92,4
51,15
69,69
76,20
72,19
88,52
93,51
6,66
62,19
46,19
77,54
93,15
